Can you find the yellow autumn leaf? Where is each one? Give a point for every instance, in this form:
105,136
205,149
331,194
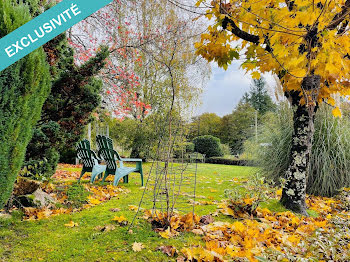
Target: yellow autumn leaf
239,226
209,15
137,247
248,201
294,239
197,231
256,75
71,224
44,214
119,219
94,201
166,234
133,208
174,222
336,112
198,254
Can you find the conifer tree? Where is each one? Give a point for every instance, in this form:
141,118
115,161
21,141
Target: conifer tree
24,87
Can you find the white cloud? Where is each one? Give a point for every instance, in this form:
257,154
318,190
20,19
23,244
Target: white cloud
224,90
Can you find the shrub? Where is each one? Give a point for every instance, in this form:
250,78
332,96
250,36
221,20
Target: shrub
330,157
183,149
24,86
42,156
226,150
242,202
208,145
228,161
75,94
189,147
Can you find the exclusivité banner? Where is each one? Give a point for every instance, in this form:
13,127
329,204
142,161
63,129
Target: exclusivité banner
44,28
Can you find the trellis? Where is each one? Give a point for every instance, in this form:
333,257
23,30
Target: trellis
171,183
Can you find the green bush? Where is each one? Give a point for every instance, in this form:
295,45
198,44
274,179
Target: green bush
330,157
189,147
183,149
24,86
208,145
226,150
42,156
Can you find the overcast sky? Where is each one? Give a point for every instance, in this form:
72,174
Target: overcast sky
226,88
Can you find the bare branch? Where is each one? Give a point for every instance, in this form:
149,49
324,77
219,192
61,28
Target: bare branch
238,32
339,18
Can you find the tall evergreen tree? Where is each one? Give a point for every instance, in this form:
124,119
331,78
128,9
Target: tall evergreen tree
24,86
74,95
258,97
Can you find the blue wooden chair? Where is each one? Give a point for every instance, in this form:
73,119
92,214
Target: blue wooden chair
111,157
89,159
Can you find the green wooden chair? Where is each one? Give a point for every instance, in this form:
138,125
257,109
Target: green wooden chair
111,157
89,159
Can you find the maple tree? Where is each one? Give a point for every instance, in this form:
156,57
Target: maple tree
305,43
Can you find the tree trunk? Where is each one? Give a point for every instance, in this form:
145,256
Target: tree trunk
294,191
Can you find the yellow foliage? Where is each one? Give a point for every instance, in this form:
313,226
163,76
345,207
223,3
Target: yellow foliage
292,43
133,208
119,219
249,238
336,112
168,233
71,224
256,75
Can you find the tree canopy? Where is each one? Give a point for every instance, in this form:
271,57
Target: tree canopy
289,38
305,43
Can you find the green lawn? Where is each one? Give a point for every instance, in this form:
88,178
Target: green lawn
50,240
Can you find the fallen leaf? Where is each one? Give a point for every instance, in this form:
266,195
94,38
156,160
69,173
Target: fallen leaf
207,219
169,250
114,209
105,228
197,231
133,208
168,233
137,247
71,224
181,259
119,219
93,200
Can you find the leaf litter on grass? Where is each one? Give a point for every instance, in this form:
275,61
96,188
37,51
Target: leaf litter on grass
258,234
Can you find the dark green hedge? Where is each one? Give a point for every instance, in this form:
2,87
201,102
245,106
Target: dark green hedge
208,145
227,161
24,87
